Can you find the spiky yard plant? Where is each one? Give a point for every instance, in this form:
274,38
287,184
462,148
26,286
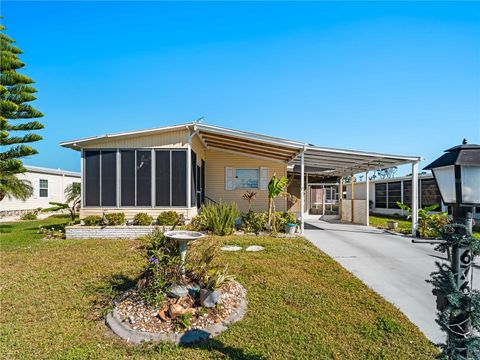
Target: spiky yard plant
16,125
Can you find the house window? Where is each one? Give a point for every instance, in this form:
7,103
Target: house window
247,178
43,188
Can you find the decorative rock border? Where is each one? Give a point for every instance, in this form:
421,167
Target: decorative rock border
124,331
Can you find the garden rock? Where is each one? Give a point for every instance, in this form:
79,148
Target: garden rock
231,248
175,310
177,291
255,248
194,290
209,298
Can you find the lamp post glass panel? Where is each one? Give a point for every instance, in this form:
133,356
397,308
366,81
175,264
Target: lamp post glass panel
457,174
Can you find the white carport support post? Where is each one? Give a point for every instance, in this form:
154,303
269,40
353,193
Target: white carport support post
302,193
414,198
367,199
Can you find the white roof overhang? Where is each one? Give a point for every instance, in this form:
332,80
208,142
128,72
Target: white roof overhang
342,162
320,160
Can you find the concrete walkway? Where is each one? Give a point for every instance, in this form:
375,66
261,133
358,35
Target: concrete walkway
389,264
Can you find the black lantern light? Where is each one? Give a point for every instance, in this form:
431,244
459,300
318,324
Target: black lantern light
457,174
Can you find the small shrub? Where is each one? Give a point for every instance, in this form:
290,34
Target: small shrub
115,218
142,219
220,218
168,218
31,215
92,220
198,223
254,221
284,217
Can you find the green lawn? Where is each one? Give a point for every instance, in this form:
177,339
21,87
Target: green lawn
302,304
380,221
404,226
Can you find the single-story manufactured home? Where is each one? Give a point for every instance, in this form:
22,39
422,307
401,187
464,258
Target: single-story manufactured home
183,166
48,186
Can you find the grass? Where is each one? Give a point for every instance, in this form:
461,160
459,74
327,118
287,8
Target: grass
380,221
302,304
404,225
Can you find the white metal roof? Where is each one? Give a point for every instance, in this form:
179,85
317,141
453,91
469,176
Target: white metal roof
327,161
44,170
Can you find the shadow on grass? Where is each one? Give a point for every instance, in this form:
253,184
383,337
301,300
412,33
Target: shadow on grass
107,291
5,229
214,345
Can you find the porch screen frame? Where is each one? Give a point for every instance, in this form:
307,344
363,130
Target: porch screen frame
119,182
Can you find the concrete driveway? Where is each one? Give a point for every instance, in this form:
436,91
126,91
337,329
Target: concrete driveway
389,264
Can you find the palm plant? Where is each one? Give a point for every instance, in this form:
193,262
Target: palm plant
13,187
276,187
73,199
249,196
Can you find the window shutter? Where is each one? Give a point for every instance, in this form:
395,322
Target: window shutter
264,178
229,178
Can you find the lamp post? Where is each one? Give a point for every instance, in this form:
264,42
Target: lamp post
457,174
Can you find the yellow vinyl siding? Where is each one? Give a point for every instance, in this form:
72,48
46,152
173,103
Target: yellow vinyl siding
130,212
199,149
216,163
170,139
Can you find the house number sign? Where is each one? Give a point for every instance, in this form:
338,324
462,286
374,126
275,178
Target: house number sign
464,270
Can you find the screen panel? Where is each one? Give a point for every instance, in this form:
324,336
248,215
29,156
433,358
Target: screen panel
430,194
92,178
394,194
162,178
144,178
179,178
127,178
381,196
109,178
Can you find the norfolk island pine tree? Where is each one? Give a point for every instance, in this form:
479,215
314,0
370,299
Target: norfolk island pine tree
16,124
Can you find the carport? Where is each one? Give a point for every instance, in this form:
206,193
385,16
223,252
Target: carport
339,163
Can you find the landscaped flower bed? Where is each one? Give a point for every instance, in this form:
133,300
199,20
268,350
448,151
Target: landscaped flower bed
174,297
178,315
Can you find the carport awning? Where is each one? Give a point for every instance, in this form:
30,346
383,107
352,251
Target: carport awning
341,162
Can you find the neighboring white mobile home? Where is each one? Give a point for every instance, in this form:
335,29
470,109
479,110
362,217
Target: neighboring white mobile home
48,185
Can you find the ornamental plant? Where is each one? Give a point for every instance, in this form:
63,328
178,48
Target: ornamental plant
168,218
162,269
276,187
92,220
457,307
142,219
115,218
429,225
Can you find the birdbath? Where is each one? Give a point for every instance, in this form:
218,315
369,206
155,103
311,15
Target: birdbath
183,237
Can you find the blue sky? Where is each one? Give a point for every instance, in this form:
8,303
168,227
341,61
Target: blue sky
380,76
